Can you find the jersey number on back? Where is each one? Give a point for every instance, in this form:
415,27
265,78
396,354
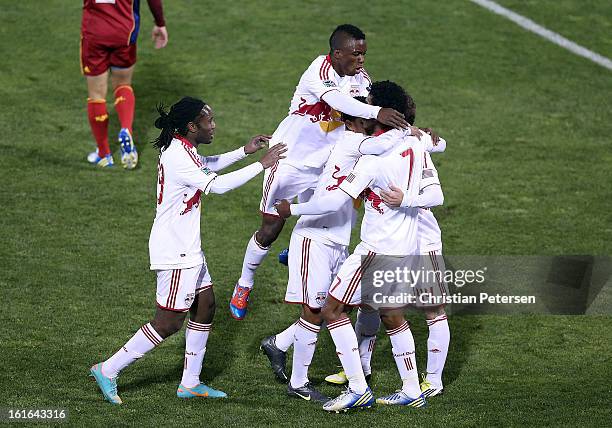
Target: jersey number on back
409,153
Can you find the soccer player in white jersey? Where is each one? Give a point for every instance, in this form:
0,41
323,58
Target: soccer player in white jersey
430,249
183,280
384,231
310,130
319,246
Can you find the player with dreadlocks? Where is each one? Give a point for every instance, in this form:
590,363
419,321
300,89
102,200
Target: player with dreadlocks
183,281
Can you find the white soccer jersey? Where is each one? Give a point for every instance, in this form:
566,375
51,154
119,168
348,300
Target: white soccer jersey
312,127
430,235
174,242
334,227
385,230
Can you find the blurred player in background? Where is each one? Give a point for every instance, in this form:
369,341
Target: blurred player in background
310,131
183,280
109,30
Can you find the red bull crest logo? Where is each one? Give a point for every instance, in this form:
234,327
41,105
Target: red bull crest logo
339,179
374,199
192,202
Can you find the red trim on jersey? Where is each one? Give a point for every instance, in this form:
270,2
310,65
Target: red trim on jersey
324,70
183,139
172,309
268,185
377,133
365,74
348,294
315,310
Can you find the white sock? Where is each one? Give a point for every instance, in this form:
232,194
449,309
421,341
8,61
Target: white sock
303,351
285,338
253,256
196,336
437,349
405,359
145,339
347,349
366,327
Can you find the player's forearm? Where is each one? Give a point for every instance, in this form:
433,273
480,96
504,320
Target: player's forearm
226,182
218,162
431,196
157,11
347,104
321,205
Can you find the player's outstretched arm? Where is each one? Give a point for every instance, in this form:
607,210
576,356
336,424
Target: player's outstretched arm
347,104
226,182
218,162
159,35
319,205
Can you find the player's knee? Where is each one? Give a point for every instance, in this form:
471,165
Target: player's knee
167,327
391,320
331,311
313,316
431,313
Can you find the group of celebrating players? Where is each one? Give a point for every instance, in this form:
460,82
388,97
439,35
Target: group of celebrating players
346,142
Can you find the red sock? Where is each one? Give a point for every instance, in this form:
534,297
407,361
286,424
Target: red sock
98,121
124,105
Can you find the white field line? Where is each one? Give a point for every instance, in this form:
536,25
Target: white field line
551,36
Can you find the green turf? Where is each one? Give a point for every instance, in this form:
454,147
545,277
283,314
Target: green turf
527,171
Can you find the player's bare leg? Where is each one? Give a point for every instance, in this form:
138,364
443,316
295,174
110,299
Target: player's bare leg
98,119
437,350
306,335
403,350
257,249
201,315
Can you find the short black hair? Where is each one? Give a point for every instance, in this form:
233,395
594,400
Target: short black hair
345,116
337,36
390,94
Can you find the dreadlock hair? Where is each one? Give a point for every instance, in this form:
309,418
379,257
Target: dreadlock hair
392,95
339,34
345,116
175,121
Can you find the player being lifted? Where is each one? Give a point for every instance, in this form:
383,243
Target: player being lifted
183,280
310,131
384,231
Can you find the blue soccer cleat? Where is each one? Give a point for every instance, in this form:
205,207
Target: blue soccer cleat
106,161
200,391
283,257
399,398
350,400
129,154
240,302
107,385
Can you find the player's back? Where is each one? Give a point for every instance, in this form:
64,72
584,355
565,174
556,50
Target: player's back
335,227
387,230
111,21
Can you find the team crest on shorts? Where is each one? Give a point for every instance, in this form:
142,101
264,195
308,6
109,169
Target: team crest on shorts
189,298
320,299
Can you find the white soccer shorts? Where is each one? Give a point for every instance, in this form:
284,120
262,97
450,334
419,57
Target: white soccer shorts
177,288
346,288
284,181
431,285
312,268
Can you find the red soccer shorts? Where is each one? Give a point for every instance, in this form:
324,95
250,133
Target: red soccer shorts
97,57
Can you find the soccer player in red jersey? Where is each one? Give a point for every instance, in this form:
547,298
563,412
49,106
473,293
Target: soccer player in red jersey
109,30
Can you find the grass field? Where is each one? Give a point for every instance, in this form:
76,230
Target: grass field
527,172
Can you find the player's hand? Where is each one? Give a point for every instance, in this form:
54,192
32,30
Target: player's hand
415,132
283,208
159,35
393,197
257,143
435,138
273,155
393,118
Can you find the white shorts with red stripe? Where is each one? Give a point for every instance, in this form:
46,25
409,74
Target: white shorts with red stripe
177,288
284,181
346,288
431,287
312,268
